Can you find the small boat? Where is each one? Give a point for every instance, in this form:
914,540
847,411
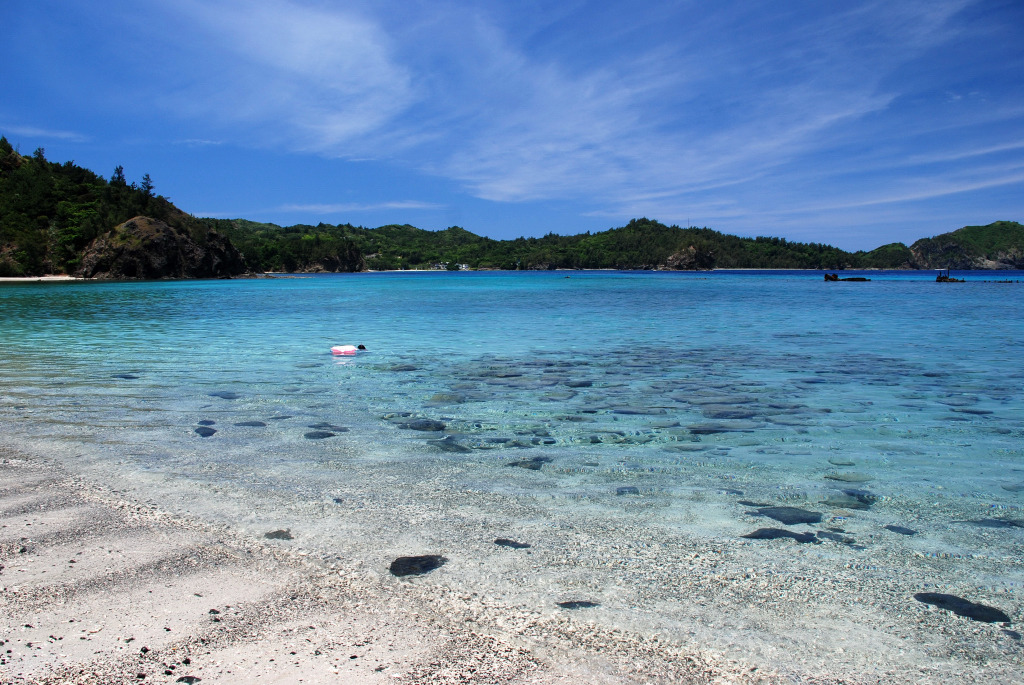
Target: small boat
944,277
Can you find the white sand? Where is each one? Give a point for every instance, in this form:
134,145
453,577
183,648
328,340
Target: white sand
145,578
34,279
97,589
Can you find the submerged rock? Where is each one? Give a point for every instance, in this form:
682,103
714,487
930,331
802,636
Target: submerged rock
963,607
776,533
715,411
445,398
534,464
835,537
852,499
448,444
416,566
849,477
788,515
324,426
900,530
714,428
205,431
639,411
251,424
578,604
318,435
627,490
428,425
284,534
126,376
225,395
505,542
206,422
994,523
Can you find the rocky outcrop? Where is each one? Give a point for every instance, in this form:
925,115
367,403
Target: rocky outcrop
146,248
690,259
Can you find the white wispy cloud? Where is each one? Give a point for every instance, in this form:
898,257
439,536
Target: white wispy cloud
36,133
612,133
295,74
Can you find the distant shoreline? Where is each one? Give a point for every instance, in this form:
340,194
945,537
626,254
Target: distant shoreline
46,279
299,274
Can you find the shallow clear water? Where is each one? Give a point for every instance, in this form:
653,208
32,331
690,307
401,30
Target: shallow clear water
643,405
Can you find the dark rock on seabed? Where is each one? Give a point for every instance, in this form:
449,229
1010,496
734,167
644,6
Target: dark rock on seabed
415,566
285,534
776,533
448,444
788,515
225,395
534,464
324,426
205,431
963,607
505,542
994,523
578,604
429,425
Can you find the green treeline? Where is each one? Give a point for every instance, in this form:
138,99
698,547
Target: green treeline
50,213
641,244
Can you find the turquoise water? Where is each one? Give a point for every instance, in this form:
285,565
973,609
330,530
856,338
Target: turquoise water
647,406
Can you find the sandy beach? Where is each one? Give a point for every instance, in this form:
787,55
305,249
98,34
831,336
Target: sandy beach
39,279
101,589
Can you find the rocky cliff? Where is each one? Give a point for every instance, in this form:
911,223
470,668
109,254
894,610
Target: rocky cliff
146,248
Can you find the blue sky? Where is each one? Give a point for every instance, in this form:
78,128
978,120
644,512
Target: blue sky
850,123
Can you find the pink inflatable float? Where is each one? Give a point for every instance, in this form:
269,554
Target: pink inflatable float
347,350
344,350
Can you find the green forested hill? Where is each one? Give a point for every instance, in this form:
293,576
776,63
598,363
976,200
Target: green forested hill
641,244
52,214
999,245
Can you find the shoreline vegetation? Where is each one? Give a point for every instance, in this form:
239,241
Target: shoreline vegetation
62,219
